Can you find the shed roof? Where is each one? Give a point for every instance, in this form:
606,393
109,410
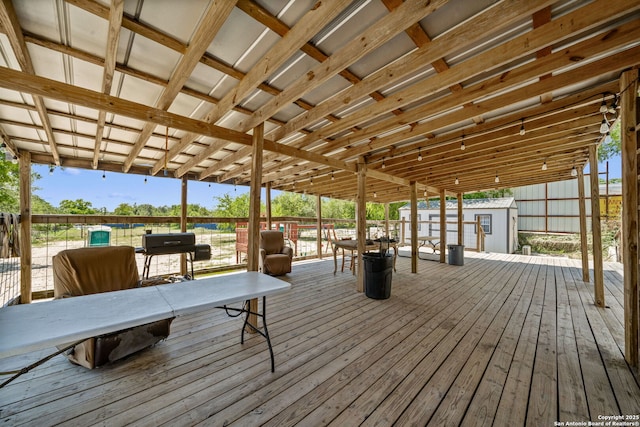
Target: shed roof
496,203
176,88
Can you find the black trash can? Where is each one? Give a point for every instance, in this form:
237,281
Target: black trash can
378,269
456,254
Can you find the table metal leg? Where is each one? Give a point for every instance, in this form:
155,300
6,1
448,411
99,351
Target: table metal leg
265,334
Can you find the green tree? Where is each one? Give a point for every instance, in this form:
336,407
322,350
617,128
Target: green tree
124,209
293,204
9,185
611,146
41,206
232,207
335,208
77,207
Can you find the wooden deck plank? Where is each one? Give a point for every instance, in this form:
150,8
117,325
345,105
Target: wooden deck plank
331,397
572,400
438,297
624,384
482,408
512,409
452,331
542,408
600,396
468,368
502,339
466,387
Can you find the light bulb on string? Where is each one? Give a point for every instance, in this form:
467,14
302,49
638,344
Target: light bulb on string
522,129
604,126
544,165
457,181
462,146
419,155
497,179
383,165
603,106
104,175
574,171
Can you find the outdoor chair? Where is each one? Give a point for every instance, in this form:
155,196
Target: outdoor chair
275,258
85,271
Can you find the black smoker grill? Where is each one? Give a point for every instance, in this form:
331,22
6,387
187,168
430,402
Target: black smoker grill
172,243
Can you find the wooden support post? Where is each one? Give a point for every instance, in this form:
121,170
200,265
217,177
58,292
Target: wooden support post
25,227
268,204
386,220
183,221
414,226
596,231
584,246
403,225
361,220
460,222
630,110
253,246
443,226
479,243
319,225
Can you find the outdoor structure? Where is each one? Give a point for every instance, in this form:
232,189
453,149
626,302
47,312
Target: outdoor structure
498,217
372,101
554,206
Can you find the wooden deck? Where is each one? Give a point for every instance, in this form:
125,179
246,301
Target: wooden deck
504,340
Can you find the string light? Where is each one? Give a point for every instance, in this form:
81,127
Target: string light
375,194
419,155
604,126
614,106
332,177
574,171
311,181
544,165
104,175
145,179
457,182
603,106
383,165
497,178
522,129
462,146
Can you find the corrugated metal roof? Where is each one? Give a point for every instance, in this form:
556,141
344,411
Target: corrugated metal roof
333,82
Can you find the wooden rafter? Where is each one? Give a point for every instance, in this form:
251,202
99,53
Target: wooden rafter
211,22
11,25
113,36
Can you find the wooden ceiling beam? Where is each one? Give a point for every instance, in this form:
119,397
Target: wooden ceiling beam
11,26
113,36
560,29
544,128
571,107
312,22
386,28
208,27
499,15
591,70
263,16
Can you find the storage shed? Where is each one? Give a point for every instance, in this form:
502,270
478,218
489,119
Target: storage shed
499,219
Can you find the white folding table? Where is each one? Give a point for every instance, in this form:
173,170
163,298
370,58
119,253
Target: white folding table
37,326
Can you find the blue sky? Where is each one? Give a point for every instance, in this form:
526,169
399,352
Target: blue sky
117,188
